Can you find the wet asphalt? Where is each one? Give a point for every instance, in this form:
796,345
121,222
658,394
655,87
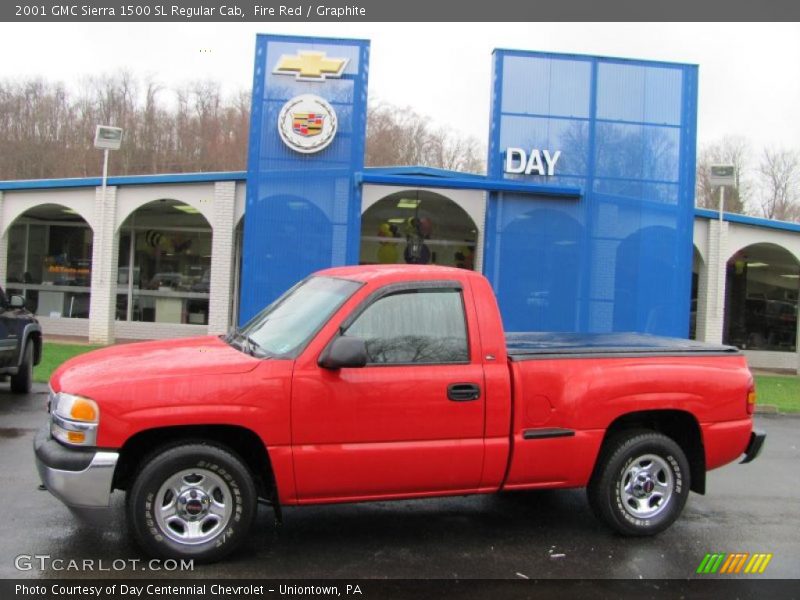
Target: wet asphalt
545,534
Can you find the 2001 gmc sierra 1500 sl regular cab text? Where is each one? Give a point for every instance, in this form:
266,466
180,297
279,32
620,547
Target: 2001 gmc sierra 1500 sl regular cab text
388,382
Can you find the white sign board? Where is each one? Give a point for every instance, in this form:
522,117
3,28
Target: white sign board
722,175
107,138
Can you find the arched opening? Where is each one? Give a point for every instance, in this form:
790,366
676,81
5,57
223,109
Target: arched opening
50,261
697,266
164,268
762,283
418,227
236,280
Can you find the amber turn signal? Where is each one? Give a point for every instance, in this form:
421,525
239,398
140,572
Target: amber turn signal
751,401
76,437
83,410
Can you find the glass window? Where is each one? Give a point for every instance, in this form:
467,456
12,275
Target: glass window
414,327
418,227
17,250
761,304
50,262
284,326
163,276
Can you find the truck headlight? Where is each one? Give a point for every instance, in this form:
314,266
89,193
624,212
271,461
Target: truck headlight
74,419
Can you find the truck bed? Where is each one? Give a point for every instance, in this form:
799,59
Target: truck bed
541,345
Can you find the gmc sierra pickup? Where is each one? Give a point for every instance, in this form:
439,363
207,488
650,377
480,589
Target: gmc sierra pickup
387,382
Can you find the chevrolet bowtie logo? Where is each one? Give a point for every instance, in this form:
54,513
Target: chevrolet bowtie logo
310,66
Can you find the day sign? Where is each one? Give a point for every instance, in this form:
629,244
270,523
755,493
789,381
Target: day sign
536,162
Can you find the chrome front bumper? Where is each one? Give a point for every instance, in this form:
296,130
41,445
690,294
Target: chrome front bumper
80,478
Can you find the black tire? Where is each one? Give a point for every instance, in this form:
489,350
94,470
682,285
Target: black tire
640,484
21,382
216,478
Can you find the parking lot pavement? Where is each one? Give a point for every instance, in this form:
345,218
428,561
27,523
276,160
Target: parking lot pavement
748,508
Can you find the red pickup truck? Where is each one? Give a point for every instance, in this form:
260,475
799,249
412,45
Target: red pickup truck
387,382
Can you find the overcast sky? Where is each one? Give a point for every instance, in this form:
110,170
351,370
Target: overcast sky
749,73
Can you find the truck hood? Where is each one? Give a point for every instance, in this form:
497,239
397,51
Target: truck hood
126,363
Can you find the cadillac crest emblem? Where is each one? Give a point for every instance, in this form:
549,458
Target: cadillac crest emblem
307,123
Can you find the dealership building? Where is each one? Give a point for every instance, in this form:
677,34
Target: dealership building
584,222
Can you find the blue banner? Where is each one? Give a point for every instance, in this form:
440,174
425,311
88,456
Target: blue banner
624,131
307,130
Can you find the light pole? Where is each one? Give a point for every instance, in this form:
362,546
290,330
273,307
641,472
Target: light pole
106,138
722,176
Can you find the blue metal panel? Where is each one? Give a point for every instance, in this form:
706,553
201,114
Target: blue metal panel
425,171
303,210
555,87
639,93
569,135
469,183
620,258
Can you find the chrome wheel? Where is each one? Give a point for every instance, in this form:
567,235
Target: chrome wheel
646,486
193,506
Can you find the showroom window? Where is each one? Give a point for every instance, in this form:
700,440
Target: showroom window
761,293
418,227
164,267
50,261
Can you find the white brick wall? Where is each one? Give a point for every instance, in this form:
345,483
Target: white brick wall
138,330
3,258
123,330
71,327
223,226
711,285
3,246
104,267
762,359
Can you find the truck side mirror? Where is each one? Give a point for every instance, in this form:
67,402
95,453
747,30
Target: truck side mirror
16,301
344,352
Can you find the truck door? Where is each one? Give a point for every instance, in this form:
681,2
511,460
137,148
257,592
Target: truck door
9,332
411,422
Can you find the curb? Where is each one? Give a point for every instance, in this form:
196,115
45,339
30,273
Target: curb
771,411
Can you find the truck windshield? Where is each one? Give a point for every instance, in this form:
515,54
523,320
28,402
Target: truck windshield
286,325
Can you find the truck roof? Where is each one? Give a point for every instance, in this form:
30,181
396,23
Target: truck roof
397,272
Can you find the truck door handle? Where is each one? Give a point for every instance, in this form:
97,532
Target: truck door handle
463,392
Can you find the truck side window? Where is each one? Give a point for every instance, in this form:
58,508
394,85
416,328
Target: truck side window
421,326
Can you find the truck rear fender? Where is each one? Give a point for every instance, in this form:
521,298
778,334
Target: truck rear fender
679,425
242,441
31,334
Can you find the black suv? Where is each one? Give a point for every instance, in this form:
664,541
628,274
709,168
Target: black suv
20,343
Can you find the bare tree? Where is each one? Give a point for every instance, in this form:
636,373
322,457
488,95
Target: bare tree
47,131
400,136
730,150
780,176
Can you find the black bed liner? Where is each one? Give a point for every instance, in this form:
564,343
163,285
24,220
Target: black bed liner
538,345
